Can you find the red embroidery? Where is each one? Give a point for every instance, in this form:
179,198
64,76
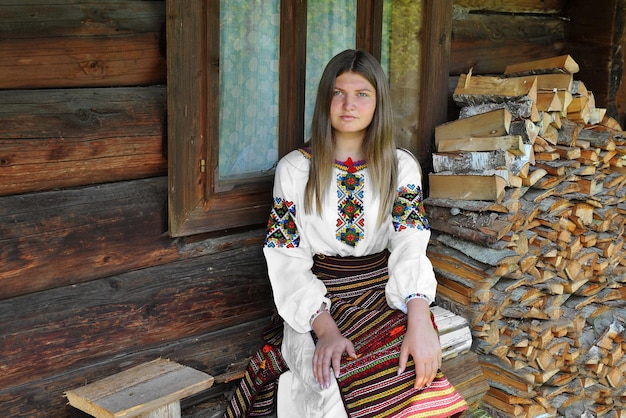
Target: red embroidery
397,330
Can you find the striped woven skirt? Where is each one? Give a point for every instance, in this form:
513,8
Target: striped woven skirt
370,386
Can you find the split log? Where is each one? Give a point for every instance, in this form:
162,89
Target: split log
472,90
512,143
519,109
468,186
560,64
465,162
491,124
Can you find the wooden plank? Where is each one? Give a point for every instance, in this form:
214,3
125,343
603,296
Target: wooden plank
465,374
59,238
70,45
140,390
67,138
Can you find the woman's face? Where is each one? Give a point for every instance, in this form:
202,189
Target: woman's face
353,105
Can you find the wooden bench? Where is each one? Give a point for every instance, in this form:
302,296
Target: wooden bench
149,390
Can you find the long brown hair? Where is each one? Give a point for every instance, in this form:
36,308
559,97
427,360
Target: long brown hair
378,145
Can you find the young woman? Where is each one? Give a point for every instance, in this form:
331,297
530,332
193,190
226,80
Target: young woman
346,256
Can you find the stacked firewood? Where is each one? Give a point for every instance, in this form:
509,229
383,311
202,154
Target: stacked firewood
527,205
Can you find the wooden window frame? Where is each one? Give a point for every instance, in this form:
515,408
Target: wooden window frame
197,201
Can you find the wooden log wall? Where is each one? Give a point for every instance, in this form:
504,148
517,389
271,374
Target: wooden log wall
90,282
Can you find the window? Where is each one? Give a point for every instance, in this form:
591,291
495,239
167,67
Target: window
241,83
220,161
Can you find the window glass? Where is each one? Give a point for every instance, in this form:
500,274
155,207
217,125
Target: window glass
331,28
249,53
386,36
249,74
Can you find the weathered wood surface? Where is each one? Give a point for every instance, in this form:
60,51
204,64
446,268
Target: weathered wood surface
514,6
61,238
47,332
198,351
79,44
75,137
487,42
590,38
153,389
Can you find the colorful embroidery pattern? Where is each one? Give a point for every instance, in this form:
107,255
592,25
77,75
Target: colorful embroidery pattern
351,166
350,221
282,230
408,210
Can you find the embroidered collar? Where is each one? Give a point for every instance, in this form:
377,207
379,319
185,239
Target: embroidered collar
348,166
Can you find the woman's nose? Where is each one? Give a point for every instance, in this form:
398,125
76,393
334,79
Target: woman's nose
348,103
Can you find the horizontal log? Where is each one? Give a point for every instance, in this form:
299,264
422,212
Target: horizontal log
67,138
489,42
76,44
51,331
60,238
516,6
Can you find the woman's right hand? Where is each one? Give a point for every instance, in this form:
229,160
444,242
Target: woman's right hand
331,346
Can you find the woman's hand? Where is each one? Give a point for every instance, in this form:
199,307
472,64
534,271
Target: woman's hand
422,343
329,349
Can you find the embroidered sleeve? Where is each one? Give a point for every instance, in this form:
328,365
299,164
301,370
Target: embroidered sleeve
297,292
281,226
408,210
411,274
417,296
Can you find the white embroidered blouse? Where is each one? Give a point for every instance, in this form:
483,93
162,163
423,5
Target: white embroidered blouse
347,227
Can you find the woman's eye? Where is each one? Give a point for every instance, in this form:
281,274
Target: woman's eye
336,93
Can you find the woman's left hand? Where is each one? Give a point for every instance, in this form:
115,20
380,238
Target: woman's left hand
421,342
